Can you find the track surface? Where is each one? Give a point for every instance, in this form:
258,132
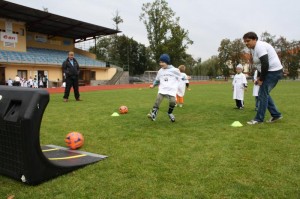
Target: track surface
119,86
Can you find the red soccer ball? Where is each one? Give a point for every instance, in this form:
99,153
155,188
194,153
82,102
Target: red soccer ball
74,140
123,109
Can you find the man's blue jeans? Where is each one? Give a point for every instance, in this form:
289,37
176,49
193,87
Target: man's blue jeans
264,99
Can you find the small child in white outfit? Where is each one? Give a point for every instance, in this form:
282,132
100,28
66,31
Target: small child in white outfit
182,86
239,85
255,89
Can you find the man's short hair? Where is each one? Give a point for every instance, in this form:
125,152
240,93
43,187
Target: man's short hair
250,35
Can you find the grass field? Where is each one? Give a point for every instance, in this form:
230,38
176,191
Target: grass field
198,156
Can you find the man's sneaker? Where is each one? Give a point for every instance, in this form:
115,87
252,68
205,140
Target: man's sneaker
180,105
172,117
253,122
274,119
152,115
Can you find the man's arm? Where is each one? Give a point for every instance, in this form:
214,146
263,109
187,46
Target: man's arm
264,60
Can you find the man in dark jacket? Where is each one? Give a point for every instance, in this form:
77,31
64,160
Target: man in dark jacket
71,73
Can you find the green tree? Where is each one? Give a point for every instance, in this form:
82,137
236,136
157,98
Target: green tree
123,52
164,32
117,19
209,67
231,53
267,37
237,53
289,55
224,56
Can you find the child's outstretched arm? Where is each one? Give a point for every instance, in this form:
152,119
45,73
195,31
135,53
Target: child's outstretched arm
155,83
156,80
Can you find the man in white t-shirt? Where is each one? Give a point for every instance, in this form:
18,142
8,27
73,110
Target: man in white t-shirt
167,78
269,73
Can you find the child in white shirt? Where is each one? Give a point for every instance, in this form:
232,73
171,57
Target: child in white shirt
182,86
255,89
35,83
167,78
239,84
9,82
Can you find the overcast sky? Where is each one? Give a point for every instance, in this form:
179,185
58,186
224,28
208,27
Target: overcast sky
208,22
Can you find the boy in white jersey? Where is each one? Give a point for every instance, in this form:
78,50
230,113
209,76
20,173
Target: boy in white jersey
167,78
239,85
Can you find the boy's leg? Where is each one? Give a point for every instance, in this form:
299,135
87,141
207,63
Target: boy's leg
172,103
158,101
153,113
177,99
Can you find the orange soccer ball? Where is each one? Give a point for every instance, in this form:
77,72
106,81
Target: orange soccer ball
74,140
123,109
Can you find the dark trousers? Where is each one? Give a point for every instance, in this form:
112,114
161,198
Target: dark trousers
265,100
239,103
71,81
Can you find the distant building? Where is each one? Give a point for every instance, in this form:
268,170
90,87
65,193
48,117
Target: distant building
34,43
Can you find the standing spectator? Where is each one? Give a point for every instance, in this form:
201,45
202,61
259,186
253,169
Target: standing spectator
270,72
24,82
45,81
30,82
239,85
9,82
41,84
71,71
17,81
35,83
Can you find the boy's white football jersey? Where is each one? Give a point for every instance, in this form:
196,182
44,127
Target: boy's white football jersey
169,79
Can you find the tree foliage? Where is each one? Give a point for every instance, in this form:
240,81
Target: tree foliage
124,52
117,19
209,67
231,53
164,33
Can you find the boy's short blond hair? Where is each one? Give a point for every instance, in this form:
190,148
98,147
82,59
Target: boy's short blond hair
181,68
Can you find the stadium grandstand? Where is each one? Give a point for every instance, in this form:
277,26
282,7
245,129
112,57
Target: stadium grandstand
34,43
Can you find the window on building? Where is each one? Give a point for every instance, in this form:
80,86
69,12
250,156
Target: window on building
93,75
22,73
22,31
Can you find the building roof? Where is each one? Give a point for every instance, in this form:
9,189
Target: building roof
52,24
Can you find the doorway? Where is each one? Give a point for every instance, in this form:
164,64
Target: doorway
42,77
2,76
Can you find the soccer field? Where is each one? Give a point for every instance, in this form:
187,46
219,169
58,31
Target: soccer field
198,156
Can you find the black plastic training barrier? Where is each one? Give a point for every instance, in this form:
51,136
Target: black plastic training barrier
21,156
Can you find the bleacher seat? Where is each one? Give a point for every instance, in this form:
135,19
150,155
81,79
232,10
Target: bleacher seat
46,56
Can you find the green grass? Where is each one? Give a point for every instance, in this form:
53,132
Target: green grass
198,156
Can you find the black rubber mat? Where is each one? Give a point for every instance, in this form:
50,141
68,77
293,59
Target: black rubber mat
62,156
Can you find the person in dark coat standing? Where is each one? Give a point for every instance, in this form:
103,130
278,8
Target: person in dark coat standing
71,73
